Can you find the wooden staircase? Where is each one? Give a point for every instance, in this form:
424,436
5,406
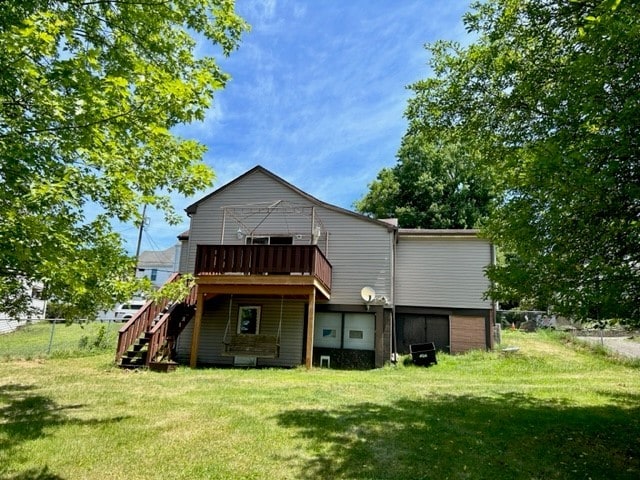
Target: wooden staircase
136,354
153,330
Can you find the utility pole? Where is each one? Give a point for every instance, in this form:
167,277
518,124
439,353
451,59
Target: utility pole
142,222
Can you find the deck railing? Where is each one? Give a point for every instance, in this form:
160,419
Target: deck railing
263,259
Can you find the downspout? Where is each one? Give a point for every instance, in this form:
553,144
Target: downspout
494,305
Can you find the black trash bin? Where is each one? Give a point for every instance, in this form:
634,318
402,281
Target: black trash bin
423,353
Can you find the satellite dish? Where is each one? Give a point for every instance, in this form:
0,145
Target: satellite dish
368,294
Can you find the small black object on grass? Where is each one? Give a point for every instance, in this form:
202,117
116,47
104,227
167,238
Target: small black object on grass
423,354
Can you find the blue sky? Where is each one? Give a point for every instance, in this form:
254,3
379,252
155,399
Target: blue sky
317,95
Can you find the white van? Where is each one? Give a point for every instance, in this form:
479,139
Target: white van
127,310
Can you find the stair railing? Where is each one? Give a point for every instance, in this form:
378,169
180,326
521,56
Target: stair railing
158,335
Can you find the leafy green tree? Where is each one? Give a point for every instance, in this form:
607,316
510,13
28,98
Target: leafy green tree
433,185
90,90
380,200
549,96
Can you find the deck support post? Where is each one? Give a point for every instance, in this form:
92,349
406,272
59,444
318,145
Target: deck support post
311,309
195,338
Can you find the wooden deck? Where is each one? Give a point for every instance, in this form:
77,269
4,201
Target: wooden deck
263,269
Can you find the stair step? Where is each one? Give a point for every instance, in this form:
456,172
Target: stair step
139,346
129,366
138,354
132,362
135,354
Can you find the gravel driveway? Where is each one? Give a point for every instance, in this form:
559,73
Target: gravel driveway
620,345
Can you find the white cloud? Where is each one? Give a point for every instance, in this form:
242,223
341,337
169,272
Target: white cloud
318,92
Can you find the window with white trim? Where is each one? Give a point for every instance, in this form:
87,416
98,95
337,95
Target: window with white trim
249,319
272,240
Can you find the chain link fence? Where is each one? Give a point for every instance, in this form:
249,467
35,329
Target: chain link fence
531,320
528,318
56,338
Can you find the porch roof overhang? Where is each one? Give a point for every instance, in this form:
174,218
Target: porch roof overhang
287,285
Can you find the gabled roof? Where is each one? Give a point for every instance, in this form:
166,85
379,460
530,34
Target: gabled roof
150,258
191,209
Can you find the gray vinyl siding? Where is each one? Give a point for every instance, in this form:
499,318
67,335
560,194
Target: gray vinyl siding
361,255
359,250
183,344
216,317
207,222
184,257
442,272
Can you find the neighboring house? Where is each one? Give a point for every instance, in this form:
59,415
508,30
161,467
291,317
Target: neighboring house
158,266
37,304
284,279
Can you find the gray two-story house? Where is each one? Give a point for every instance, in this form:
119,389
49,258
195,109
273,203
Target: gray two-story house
284,279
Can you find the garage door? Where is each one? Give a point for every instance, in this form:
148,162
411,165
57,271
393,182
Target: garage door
414,328
468,333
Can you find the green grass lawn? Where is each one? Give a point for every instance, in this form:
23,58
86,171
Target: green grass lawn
552,410
44,339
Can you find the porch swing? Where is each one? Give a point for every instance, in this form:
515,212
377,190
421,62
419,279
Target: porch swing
251,344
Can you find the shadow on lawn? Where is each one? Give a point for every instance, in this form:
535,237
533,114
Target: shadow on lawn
512,436
26,416
35,474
